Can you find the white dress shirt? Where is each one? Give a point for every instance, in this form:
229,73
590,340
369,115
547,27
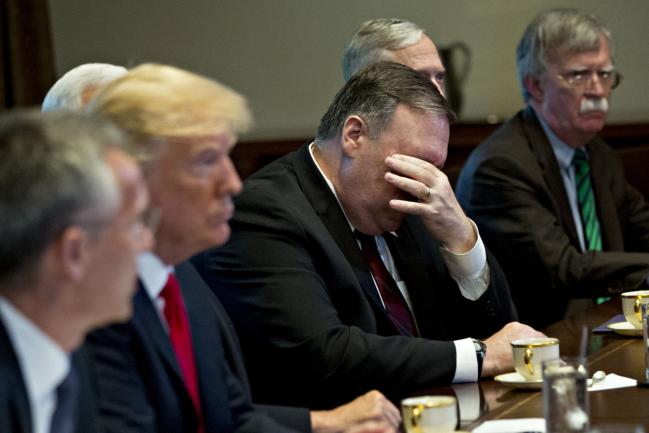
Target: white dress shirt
154,275
564,154
469,270
43,363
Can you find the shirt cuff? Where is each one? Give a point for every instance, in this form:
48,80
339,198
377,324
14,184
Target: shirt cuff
466,362
466,265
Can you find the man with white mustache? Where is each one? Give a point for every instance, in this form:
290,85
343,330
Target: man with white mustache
549,196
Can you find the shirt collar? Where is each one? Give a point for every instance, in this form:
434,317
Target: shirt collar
562,152
153,273
43,362
329,184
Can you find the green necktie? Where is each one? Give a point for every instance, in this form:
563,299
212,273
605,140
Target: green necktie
587,210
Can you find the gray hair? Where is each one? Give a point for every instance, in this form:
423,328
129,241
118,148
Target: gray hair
557,31
52,176
374,93
374,40
67,92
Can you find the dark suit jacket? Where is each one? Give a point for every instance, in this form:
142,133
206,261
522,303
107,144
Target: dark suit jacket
15,412
512,187
139,380
308,315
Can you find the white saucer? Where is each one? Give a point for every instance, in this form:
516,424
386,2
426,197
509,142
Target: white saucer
625,328
515,380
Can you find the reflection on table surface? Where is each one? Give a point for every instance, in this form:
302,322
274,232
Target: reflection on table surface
609,352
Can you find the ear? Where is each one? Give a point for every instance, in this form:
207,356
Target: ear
353,132
534,88
73,252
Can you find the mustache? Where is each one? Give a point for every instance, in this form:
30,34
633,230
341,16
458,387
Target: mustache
593,104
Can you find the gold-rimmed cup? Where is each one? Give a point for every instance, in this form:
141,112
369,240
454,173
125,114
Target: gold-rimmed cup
429,414
632,306
529,353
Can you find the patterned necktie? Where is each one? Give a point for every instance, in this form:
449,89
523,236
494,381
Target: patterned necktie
65,415
395,305
586,198
587,209
181,341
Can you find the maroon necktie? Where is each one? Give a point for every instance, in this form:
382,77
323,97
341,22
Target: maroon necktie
395,304
181,341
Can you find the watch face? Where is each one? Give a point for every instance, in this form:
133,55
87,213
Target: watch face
480,347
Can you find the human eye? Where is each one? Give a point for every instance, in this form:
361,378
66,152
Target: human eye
203,163
604,75
577,76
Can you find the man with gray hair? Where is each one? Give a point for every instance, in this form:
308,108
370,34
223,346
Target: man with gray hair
549,196
76,87
350,259
394,40
70,206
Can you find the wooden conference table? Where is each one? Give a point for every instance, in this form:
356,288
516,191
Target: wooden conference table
608,352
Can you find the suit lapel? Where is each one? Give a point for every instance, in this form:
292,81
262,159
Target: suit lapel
604,202
208,347
19,413
415,274
542,149
147,321
88,414
326,206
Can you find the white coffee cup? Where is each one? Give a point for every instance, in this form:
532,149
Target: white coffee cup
632,306
429,414
529,353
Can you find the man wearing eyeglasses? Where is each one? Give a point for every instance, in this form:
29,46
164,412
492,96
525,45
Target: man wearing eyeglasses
549,196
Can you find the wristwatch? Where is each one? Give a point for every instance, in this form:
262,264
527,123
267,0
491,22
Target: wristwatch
480,352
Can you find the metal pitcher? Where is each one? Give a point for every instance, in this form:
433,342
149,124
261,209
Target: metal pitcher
456,58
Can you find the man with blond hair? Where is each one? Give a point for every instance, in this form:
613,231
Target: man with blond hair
176,366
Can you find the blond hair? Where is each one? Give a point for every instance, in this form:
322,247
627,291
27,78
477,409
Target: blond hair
155,101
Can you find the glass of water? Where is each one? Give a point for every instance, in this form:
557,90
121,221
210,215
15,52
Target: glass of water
565,395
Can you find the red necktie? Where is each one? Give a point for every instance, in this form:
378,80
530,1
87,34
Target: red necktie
181,341
395,304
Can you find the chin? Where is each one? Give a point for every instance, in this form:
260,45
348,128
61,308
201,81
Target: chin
593,122
393,224
220,236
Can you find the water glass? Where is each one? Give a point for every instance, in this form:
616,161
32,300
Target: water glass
565,395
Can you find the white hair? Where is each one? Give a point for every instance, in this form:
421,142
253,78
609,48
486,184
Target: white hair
374,40
68,92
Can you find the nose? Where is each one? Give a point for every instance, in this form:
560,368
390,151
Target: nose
596,87
229,183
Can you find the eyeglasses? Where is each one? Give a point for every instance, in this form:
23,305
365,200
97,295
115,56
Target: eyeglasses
583,78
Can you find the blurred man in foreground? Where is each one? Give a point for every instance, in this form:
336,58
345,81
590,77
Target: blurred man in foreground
70,206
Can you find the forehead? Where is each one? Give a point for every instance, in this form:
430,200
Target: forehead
221,141
598,57
420,134
421,55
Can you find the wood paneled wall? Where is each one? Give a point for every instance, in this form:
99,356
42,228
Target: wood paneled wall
630,140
